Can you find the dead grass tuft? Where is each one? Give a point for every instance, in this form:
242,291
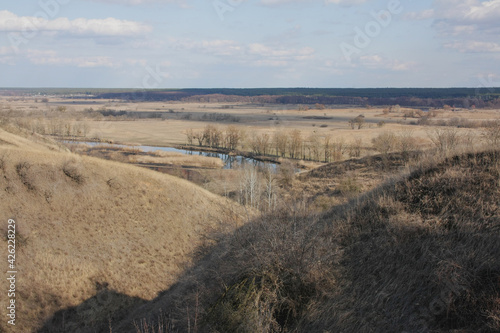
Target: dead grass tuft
25,175
74,171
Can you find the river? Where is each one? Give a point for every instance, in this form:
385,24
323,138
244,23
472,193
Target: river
230,161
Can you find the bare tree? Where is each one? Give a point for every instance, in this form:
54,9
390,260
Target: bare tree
338,148
250,187
233,137
199,137
280,141
264,143
358,122
270,189
444,139
254,143
212,136
355,147
190,136
313,145
295,144
326,148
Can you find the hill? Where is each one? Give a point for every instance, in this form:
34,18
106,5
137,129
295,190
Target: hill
95,236
415,255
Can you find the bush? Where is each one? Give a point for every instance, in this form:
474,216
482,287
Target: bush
444,139
384,143
492,133
268,301
26,177
72,170
349,187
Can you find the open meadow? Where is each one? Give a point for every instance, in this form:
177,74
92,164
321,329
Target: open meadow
167,123
258,224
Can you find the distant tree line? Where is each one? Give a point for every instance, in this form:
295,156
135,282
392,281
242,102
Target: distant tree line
427,98
281,143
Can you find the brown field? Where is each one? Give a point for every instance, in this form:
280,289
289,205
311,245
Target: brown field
404,236
251,119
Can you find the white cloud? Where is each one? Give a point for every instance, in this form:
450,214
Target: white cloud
251,54
346,2
85,62
474,47
53,58
467,26
279,2
4,50
379,62
181,3
280,53
81,26
417,16
469,16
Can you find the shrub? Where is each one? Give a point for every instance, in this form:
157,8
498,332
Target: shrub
26,177
354,148
492,133
2,163
349,186
444,139
384,143
73,171
268,301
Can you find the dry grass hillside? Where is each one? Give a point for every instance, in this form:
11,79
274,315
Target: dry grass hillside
95,236
421,254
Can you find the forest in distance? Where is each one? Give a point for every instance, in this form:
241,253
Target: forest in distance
481,97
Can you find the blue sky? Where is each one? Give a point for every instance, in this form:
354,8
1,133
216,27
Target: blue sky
249,43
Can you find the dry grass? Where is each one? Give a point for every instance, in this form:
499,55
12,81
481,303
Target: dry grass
91,225
418,254
137,156
179,159
101,239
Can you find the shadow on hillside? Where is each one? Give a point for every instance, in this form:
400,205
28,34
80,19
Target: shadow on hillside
418,255
96,314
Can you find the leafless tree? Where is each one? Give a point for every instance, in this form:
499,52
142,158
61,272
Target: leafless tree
444,139
295,144
190,136
280,141
233,137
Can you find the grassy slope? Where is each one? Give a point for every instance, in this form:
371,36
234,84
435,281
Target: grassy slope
416,255
86,226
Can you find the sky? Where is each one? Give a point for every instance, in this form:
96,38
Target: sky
249,43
